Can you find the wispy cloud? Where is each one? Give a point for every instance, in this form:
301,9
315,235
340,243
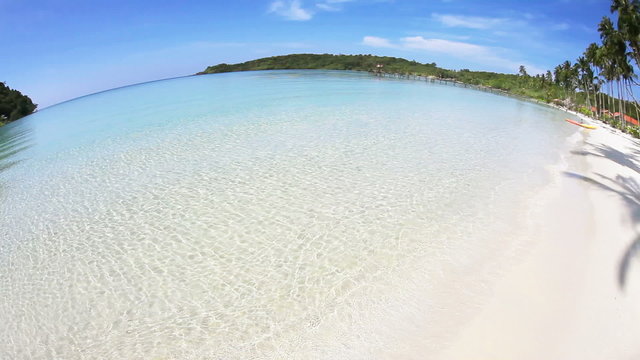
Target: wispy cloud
328,7
331,5
290,10
377,42
560,27
480,54
441,35
295,10
512,28
456,48
471,22
588,29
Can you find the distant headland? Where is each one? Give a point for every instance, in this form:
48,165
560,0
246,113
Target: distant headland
13,104
558,88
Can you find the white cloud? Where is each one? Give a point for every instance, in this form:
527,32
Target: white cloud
456,48
291,10
471,22
376,42
479,54
476,53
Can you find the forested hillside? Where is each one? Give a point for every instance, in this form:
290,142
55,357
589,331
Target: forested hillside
13,104
540,87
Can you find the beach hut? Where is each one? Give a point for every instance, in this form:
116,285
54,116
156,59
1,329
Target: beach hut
627,118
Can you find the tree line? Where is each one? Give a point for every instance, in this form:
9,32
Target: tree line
13,104
540,88
603,76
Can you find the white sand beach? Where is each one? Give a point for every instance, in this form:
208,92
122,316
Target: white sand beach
576,293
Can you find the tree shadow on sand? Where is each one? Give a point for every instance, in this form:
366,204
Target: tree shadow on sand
612,154
626,187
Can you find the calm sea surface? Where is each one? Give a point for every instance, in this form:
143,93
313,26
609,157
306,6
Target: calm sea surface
283,214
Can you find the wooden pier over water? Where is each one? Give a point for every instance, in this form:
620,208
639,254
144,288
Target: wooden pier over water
454,82
444,81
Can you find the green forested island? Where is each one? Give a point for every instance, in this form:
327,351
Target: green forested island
13,104
539,87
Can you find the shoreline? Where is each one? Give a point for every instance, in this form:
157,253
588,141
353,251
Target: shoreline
564,299
553,295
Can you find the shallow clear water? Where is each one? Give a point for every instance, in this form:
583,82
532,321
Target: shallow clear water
287,214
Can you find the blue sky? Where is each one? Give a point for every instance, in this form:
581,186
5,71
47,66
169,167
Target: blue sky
55,50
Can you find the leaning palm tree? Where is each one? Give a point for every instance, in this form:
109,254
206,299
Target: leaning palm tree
606,29
615,57
628,12
585,78
590,56
629,24
571,79
598,57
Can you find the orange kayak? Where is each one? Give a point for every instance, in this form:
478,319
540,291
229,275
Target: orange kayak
581,124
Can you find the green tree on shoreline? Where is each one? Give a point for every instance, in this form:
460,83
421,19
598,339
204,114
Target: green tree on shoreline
607,70
13,104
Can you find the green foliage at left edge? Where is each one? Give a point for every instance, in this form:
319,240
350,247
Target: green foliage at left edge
13,104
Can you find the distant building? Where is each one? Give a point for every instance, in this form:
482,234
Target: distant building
627,118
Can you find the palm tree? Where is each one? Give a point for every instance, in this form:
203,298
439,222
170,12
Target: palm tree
629,24
590,55
585,77
619,68
629,27
570,78
522,71
607,66
609,54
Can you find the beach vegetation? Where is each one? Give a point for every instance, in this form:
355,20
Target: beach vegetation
603,77
539,86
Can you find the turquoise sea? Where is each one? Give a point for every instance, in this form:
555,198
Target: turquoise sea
278,214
